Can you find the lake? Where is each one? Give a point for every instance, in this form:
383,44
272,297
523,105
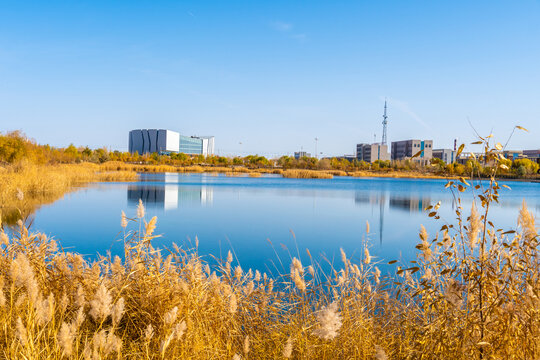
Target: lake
266,220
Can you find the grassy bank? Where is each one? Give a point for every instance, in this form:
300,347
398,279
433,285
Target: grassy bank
290,173
399,174
27,186
121,166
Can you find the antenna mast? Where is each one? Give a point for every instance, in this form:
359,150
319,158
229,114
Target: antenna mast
384,123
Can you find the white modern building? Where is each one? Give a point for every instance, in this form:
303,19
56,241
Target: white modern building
147,141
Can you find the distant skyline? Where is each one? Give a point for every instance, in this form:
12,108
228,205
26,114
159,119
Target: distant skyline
270,77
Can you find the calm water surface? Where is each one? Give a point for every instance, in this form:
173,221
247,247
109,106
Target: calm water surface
266,220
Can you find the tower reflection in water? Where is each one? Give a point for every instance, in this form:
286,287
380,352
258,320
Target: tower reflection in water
170,194
412,203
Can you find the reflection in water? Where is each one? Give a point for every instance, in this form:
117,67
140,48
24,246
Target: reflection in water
169,196
411,203
373,198
248,211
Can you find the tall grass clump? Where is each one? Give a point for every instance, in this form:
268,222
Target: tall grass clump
472,293
307,174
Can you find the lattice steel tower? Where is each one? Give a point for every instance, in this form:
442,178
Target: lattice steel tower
384,123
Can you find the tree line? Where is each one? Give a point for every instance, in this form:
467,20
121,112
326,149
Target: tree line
15,147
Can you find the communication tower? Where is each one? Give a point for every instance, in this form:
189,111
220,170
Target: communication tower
384,123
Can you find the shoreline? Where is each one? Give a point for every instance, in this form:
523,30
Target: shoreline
289,173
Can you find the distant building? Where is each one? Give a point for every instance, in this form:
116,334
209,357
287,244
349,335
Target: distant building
446,155
148,141
350,158
513,154
533,155
464,157
406,149
300,154
372,152
195,145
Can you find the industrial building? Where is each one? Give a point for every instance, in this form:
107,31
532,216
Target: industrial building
300,154
148,141
372,152
406,149
533,155
446,155
513,154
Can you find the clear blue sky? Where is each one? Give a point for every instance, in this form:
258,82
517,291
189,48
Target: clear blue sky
271,75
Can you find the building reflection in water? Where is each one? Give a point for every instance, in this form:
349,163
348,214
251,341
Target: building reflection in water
409,203
377,200
169,196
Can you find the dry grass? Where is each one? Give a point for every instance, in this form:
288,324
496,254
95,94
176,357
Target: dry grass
307,174
268,171
118,166
398,174
291,173
336,172
121,166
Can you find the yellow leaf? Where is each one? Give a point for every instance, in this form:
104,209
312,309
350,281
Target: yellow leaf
417,154
461,147
521,128
498,146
